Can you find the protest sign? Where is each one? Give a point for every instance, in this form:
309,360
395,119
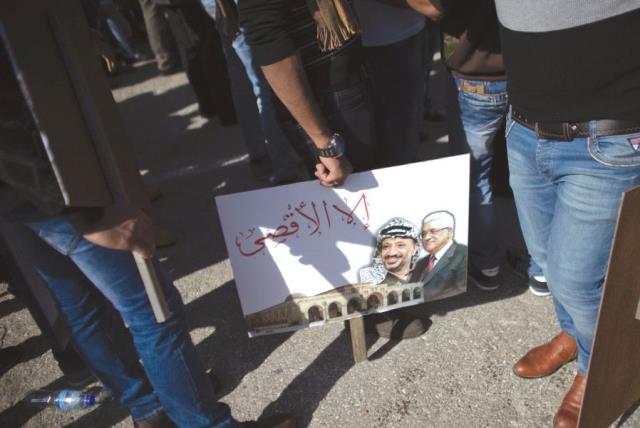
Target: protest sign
304,255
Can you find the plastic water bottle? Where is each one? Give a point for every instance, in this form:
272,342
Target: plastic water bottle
64,399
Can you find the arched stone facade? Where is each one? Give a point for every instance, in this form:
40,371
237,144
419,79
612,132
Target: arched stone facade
334,305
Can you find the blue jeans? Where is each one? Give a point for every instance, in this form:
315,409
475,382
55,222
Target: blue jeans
175,379
475,113
568,195
253,101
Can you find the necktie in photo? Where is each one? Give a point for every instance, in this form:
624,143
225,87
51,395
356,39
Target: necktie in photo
431,262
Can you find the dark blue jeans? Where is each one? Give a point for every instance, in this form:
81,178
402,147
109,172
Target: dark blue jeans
175,379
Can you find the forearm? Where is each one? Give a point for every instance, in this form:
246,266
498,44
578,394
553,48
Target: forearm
288,80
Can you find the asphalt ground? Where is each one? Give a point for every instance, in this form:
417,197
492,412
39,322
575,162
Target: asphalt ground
458,374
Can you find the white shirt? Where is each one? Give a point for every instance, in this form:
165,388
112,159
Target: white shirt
443,250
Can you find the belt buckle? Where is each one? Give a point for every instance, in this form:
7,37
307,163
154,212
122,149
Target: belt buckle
569,131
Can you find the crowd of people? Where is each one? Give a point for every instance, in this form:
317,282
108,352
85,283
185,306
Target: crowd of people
327,87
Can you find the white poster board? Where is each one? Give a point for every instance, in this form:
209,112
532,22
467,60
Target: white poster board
303,255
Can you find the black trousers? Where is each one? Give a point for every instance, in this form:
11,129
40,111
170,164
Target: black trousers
203,59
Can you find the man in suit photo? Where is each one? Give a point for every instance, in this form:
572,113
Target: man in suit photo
443,271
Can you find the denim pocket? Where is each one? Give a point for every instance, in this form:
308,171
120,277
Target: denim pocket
615,150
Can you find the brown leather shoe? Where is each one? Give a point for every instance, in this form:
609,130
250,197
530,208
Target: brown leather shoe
161,420
547,358
567,415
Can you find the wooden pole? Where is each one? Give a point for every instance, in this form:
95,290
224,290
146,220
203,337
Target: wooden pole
110,166
613,380
358,343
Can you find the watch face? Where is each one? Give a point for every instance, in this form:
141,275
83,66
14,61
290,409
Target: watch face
337,143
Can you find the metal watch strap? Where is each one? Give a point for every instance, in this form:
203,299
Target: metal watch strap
334,150
329,152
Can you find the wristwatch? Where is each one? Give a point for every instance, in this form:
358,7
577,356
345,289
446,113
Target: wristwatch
335,149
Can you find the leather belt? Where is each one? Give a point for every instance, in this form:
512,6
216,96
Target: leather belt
567,131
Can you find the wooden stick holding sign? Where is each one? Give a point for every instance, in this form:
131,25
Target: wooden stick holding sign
613,383
95,124
358,342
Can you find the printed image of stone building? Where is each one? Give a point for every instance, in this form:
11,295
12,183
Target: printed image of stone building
339,304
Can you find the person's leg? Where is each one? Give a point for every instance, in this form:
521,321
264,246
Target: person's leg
205,63
535,198
159,35
75,371
476,111
562,191
115,366
283,158
167,353
397,82
590,177
245,105
244,100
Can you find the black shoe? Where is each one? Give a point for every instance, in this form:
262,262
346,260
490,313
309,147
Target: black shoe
281,420
396,325
482,281
538,288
